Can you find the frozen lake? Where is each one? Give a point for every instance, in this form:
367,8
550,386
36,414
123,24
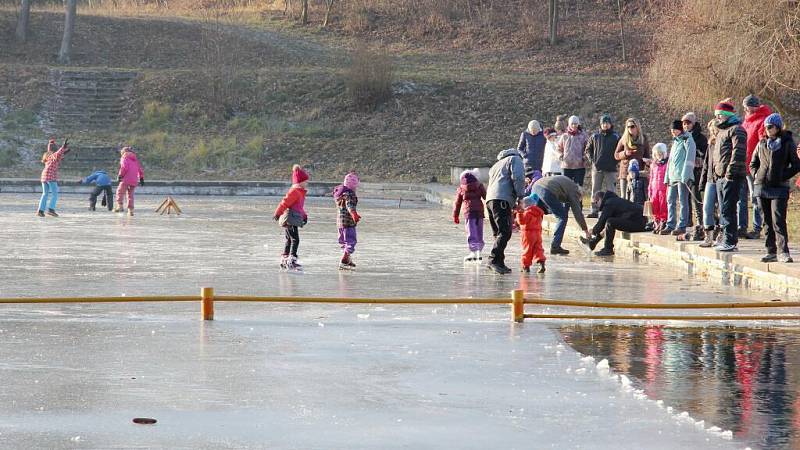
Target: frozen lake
308,376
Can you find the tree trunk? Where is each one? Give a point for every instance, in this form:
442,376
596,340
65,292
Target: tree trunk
553,25
304,13
328,7
23,21
622,31
69,27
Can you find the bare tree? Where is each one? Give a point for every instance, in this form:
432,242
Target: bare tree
304,13
64,54
328,7
553,21
622,30
23,21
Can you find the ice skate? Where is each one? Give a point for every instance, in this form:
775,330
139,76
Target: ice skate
541,268
478,256
346,263
52,212
470,257
284,262
293,264
130,212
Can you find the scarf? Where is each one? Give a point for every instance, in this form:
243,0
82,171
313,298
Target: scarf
774,144
573,131
631,143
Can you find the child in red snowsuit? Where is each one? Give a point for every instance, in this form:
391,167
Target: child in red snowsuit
530,226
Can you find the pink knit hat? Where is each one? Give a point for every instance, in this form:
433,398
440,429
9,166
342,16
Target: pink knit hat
351,181
298,174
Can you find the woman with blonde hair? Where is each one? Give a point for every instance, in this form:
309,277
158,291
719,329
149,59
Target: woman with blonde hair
632,145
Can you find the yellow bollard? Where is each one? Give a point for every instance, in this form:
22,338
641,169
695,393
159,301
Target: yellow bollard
518,305
207,303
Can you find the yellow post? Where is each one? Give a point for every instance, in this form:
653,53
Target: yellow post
207,303
518,305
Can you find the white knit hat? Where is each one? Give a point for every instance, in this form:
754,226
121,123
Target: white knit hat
534,127
661,148
574,120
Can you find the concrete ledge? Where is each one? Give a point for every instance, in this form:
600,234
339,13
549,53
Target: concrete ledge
403,192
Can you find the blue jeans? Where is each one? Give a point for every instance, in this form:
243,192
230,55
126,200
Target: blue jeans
680,191
49,189
729,194
710,200
745,194
557,209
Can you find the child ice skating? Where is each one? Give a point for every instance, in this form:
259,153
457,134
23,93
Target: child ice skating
530,225
657,190
102,185
290,215
471,194
52,162
347,218
130,175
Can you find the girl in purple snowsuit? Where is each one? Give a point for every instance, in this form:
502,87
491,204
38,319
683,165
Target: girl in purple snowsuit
347,218
471,193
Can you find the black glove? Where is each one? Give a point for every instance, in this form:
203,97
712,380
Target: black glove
119,179
141,181
276,217
305,220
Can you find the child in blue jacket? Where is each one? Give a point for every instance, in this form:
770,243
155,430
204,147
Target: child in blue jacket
102,184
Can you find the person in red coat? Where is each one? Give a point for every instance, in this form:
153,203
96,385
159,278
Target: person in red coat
291,215
530,226
755,113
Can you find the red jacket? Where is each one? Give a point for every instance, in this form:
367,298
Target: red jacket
471,195
754,125
530,219
294,199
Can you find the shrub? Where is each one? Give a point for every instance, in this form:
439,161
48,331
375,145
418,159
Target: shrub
155,116
369,79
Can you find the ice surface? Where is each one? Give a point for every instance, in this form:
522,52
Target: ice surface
300,376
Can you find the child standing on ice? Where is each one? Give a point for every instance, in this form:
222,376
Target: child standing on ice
530,226
130,176
52,162
290,215
471,194
347,218
657,190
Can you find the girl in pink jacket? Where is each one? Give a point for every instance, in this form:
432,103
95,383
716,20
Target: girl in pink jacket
657,190
130,176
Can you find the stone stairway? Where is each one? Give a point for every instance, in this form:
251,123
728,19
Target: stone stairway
87,100
86,159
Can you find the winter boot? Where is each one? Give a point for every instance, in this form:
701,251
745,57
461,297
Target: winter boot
130,212
40,213
346,262
525,269
708,242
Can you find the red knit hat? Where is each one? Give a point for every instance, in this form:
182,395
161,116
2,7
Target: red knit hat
725,106
298,174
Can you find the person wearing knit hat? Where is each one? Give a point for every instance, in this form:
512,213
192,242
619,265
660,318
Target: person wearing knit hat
347,218
692,125
571,147
551,164
727,169
600,151
679,177
470,194
531,146
775,161
755,112
291,215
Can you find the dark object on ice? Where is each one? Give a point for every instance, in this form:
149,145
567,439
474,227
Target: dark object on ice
144,420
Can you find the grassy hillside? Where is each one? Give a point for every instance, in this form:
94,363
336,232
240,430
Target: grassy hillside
221,99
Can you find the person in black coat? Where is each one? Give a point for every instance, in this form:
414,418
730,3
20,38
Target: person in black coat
615,214
775,162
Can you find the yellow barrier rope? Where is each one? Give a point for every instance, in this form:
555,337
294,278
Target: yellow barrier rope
162,298
654,317
610,305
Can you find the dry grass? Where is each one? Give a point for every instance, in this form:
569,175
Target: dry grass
729,49
369,79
